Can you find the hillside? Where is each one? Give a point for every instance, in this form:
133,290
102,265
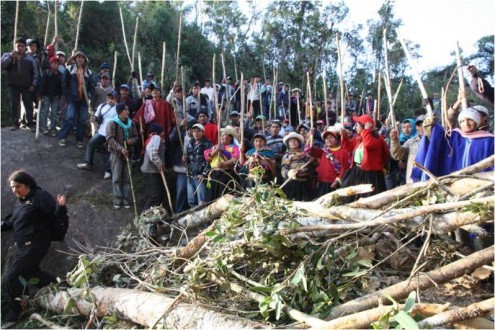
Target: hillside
93,221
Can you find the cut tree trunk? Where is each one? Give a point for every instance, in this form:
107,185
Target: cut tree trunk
144,308
421,282
460,314
209,213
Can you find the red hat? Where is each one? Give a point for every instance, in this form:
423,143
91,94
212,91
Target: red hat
53,59
363,119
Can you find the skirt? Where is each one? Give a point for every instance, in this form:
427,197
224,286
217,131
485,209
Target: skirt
356,175
298,191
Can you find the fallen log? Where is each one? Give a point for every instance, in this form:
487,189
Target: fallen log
363,319
210,213
188,251
397,217
143,308
460,314
421,282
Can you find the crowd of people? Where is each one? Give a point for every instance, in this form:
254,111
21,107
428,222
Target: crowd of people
210,146
197,137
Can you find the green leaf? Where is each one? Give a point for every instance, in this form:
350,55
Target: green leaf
298,276
23,281
389,297
34,281
219,237
319,264
405,321
211,234
69,305
262,289
365,262
410,301
116,278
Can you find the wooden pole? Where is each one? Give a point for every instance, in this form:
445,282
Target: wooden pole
164,52
288,106
444,106
55,21
125,39
215,99
361,102
140,70
341,79
422,88
183,84
274,94
134,43
15,22
164,179
114,68
178,51
397,91
388,82
462,87
378,93
310,99
243,104
235,68
47,25
79,25
225,95
325,98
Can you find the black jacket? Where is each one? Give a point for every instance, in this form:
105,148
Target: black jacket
51,84
196,161
23,74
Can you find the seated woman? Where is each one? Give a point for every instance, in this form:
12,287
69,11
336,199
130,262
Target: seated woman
257,163
442,155
370,155
333,161
295,167
222,159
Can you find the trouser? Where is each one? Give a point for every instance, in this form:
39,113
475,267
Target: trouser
15,104
196,191
181,193
94,143
154,189
121,184
24,267
77,112
49,104
256,108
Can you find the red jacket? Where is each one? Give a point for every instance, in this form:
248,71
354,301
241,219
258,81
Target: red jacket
376,153
329,171
164,116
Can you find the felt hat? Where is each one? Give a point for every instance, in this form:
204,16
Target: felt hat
230,130
293,135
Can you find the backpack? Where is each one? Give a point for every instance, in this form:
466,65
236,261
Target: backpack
59,224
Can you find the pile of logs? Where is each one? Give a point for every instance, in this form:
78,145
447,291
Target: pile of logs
254,260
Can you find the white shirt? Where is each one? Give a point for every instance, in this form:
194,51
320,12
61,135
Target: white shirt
208,91
108,112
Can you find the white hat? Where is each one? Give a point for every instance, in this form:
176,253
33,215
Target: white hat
293,135
199,126
481,109
471,114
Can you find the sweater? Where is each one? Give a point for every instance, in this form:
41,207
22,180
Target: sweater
376,153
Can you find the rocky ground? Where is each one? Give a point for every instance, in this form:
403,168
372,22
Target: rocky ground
93,221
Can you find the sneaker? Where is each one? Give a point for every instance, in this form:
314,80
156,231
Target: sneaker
53,132
127,206
84,166
107,175
116,206
62,142
80,145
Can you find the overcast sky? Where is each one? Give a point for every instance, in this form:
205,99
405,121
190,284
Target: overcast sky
436,25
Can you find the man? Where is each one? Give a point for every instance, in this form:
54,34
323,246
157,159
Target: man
253,96
208,90
211,130
266,97
350,105
193,106
78,87
126,97
121,135
148,80
369,105
197,166
48,94
101,91
276,143
106,112
22,78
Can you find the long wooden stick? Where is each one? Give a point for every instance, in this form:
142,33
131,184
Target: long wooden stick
325,98
164,179
215,99
140,70
114,68
79,25
178,50
225,96
462,87
47,25
134,43
397,91
132,184
15,22
164,52
125,38
341,80
388,82
310,96
243,104
183,82
378,95
235,68
422,88
55,21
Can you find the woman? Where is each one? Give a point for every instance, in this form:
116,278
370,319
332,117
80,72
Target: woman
222,159
370,155
333,161
296,168
258,162
32,219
